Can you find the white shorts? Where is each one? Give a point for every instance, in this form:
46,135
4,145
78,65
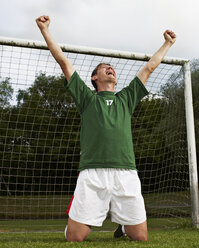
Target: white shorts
99,191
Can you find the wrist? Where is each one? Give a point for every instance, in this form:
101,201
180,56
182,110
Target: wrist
169,42
44,30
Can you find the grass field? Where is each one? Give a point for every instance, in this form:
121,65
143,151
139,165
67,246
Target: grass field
42,234
59,225
170,238
39,222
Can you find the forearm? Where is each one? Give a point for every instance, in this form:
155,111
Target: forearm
155,60
158,56
58,54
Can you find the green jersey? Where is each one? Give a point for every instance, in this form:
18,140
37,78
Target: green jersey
106,137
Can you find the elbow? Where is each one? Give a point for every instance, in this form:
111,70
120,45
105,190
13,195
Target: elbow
63,63
150,67
144,74
61,60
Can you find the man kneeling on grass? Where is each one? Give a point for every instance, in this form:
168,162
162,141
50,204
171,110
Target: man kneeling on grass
108,179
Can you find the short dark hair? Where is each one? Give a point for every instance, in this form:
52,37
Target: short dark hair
94,73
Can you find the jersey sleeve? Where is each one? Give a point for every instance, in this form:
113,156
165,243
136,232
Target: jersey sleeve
79,91
133,93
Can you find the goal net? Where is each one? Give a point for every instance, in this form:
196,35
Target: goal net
39,141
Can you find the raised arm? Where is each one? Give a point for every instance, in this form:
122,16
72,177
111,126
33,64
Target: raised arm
156,59
43,23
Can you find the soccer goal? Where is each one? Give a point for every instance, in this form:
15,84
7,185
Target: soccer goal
39,127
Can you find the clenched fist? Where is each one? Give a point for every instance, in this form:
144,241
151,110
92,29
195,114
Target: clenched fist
43,22
170,36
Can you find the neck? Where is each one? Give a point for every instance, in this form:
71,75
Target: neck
106,87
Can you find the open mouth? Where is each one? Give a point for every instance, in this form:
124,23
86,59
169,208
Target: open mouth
110,73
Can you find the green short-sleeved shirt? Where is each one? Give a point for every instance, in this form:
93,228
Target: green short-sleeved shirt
106,137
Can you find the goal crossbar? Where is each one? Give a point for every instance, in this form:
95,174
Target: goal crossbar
89,50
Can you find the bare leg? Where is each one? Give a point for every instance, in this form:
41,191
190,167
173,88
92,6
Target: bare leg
76,232
137,232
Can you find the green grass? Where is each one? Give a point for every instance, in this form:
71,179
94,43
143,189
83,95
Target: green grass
59,225
170,238
42,234
44,220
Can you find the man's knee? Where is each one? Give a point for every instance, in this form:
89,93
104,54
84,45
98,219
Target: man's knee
75,237
137,232
138,237
76,232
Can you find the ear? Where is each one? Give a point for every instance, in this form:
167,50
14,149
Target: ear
94,77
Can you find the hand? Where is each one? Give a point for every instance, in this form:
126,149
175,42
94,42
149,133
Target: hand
43,22
170,36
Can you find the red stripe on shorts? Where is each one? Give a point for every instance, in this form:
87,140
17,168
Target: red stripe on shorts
69,205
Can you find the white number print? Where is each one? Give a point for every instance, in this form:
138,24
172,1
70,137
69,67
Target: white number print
109,102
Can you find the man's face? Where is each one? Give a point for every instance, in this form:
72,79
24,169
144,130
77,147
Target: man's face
106,73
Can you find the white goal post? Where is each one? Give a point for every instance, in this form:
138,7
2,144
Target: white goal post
22,62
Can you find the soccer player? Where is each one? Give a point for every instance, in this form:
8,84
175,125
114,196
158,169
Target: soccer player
108,178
